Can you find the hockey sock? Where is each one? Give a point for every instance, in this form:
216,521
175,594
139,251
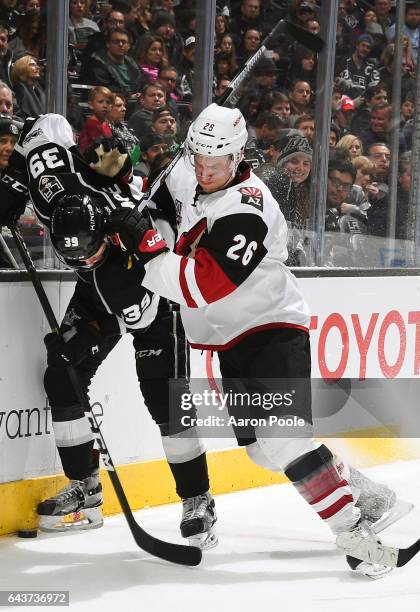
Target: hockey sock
191,477
317,479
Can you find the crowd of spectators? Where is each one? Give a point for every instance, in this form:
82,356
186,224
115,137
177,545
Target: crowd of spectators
136,59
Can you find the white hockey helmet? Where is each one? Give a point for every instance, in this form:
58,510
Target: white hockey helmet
217,131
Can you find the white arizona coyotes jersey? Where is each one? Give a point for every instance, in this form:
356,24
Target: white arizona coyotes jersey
227,271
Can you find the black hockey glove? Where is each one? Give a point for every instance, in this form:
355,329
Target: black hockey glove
13,196
136,233
85,342
109,157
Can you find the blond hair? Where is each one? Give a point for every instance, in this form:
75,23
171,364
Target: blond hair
363,163
20,68
100,90
347,141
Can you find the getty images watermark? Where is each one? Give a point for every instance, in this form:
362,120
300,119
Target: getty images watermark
213,400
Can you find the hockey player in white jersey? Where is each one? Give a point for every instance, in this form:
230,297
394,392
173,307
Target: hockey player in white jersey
238,298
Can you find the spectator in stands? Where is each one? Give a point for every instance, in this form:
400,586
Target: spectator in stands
132,23
114,68
151,56
277,102
303,66
30,36
96,125
352,144
221,24
220,87
300,99
407,108
6,99
374,94
302,10
30,96
225,44
369,16
379,126
6,56
249,16
411,28
249,44
223,65
151,145
10,16
341,176
380,154
265,76
168,78
31,5
164,121
80,26
306,125
379,41
364,175
408,63
383,13
289,182
8,138
334,135
186,68
152,97
356,72
97,42
267,127
163,25
116,119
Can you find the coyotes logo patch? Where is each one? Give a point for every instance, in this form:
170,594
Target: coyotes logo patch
252,196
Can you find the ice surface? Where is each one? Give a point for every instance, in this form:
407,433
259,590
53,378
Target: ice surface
274,555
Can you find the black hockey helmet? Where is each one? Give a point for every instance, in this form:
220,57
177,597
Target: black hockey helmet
77,229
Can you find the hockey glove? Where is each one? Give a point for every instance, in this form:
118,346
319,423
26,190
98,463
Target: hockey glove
85,342
109,157
13,196
137,234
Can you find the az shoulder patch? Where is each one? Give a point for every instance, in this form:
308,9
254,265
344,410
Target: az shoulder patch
252,196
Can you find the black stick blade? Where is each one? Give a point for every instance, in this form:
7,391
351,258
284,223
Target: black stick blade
406,554
303,37
175,553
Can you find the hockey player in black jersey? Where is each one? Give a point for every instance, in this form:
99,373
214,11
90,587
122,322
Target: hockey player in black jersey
75,202
238,298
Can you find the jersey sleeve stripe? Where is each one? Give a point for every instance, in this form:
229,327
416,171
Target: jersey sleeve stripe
212,282
184,284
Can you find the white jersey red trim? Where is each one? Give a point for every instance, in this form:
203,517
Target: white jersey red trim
227,271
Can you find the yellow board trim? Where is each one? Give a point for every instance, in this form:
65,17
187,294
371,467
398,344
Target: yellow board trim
150,483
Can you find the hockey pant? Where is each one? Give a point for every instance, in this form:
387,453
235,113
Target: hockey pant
268,365
161,353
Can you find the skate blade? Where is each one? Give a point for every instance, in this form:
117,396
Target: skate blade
398,510
205,540
373,571
88,518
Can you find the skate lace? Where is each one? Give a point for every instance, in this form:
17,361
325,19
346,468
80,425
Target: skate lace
195,506
69,492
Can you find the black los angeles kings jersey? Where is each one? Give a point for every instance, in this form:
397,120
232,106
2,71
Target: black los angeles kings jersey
112,294
55,168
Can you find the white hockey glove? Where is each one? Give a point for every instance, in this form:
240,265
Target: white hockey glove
109,157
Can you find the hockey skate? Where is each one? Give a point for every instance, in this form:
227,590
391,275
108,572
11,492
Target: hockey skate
364,552
378,503
74,508
198,519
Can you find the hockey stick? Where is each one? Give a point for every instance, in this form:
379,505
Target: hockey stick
312,41
177,553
